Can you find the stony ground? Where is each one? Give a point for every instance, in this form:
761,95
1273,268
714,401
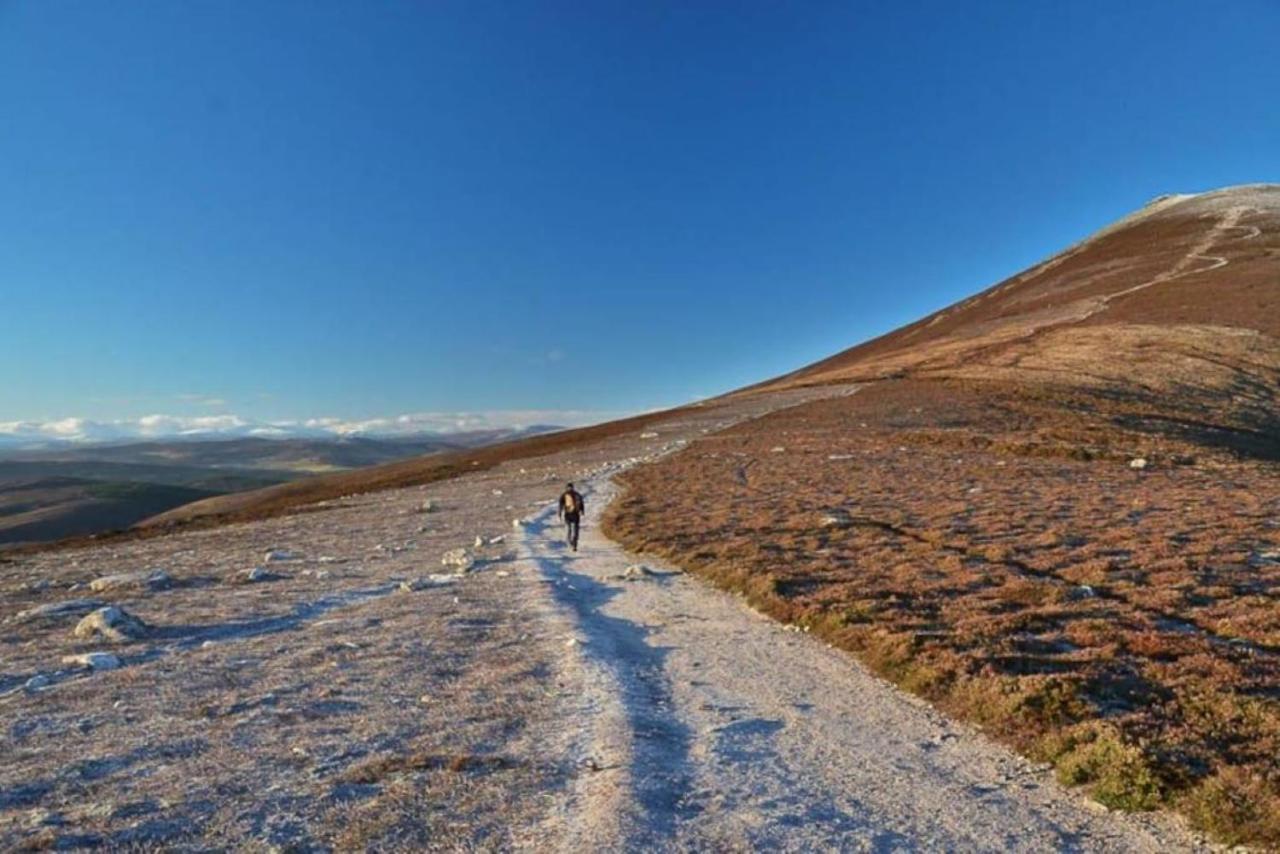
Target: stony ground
320,706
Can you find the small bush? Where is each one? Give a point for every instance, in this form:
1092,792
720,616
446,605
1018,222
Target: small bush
1118,775
1236,806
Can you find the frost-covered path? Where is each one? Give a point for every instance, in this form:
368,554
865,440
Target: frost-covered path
708,725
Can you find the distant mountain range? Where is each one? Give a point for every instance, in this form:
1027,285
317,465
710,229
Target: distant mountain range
68,489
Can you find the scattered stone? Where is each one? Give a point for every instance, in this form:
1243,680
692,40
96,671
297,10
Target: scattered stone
427,506
518,524
1266,557
637,572
497,541
497,492
479,543
649,435
111,623
37,682
1138,463
460,559
58,610
837,518
256,574
413,585
1083,591
778,449
840,456
93,660
38,586
280,556
156,579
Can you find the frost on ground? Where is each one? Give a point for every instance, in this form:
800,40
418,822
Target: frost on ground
352,692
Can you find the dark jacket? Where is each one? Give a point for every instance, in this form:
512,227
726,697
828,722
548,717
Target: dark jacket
564,504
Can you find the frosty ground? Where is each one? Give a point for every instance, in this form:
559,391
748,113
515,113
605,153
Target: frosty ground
541,700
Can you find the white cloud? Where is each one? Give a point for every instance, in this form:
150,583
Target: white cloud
158,426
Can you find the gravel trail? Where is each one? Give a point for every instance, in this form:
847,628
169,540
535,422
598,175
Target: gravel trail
704,724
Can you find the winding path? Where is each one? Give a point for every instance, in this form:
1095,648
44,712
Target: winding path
705,725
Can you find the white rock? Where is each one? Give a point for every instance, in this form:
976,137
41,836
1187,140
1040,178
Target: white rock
427,506
35,683
777,450
497,492
280,555
258,573
461,559
649,435
479,543
111,623
518,524
1138,463
93,660
156,579
837,519
637,572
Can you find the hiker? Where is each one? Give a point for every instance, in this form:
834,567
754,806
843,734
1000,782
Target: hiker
571,509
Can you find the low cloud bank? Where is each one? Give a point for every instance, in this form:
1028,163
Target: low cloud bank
84,430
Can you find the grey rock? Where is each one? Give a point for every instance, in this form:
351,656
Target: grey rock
113,624
156,579
93,660
58,610
258,573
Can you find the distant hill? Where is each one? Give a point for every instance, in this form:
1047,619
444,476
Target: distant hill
71,491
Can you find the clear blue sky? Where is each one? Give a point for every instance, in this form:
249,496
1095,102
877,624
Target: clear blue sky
363,208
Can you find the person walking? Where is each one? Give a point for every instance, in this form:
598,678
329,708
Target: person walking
571,509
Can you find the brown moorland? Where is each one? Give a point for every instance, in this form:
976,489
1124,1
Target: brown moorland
1053,510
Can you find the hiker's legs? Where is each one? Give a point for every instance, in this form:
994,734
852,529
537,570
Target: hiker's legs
571,532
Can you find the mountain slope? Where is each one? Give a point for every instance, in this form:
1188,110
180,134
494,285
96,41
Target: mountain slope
1052,509
1175,306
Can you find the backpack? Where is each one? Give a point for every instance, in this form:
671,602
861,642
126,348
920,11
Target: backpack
571,503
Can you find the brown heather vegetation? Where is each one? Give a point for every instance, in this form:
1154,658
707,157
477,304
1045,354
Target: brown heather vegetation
999,557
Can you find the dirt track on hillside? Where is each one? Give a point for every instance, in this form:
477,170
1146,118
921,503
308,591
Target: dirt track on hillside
714,727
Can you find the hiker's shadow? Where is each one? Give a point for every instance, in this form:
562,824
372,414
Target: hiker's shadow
662,740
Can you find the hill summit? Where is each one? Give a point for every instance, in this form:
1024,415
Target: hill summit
1174,306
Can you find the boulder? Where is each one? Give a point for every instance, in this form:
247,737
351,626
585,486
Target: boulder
93,660
58,610
111,623
155,579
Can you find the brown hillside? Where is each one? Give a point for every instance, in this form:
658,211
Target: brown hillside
1052,509
1177,299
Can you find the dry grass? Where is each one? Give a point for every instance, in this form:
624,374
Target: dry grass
1002,559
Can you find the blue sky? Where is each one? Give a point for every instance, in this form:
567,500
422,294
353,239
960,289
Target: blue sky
283,210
